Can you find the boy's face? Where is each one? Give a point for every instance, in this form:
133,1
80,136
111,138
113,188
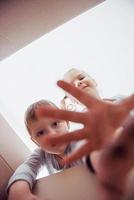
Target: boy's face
45,126
83,81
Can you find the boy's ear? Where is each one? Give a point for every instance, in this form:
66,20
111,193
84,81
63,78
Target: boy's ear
35,142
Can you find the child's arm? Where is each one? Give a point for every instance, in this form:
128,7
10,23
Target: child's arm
25,175
21,190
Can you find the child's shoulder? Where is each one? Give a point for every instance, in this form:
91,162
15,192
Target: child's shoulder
38,152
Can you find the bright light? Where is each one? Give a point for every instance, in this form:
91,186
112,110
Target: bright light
100,41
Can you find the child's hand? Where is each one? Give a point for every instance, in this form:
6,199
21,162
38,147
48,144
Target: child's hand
20,191
100,121
115,163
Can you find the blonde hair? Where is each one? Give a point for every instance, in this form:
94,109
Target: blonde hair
30,114
66,76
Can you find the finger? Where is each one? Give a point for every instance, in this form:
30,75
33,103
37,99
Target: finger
61,114
128,102
67,137
83,97
78,154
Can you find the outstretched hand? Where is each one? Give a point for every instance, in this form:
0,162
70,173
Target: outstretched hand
100,121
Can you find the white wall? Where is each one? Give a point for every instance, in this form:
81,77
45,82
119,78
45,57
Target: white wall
12,149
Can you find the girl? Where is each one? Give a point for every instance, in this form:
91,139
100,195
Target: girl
88,85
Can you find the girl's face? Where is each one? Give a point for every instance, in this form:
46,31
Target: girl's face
83,81
45,126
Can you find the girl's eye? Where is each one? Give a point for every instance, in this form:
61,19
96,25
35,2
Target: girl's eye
81,78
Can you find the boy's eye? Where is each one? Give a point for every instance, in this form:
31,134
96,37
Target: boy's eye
56,123
39,133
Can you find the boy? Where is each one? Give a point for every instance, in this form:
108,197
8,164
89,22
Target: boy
20,184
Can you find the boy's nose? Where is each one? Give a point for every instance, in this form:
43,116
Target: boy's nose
52,131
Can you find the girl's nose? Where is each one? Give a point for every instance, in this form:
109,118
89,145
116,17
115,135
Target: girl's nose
78,83
81,84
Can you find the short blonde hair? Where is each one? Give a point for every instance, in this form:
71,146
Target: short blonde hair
30,114
67,74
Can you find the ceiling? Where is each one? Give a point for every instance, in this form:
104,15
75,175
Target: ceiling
23,21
